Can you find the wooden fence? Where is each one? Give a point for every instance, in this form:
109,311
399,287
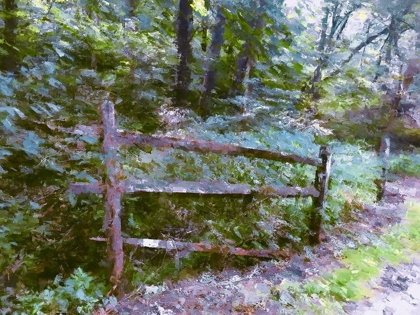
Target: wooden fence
115,186
384,151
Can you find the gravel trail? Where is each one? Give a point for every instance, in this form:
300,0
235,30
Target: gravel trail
397,291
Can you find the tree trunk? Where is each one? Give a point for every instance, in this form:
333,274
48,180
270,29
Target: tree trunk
131,6
246,59
249,88
321,49
8,62
240,68
184,21
205,28
209,82
338,24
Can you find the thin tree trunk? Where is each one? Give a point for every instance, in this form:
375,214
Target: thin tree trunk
132,7
240,68
249,88
245,63
390,38
112,195
184,21
343,24
209,82
250,67
321,49
205,28
9,62
378,64
338,25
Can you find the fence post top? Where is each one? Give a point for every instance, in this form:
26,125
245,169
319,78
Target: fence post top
106,103
325,150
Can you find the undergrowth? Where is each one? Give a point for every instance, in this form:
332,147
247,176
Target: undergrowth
407,164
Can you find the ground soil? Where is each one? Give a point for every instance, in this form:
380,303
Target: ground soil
231,291
397,292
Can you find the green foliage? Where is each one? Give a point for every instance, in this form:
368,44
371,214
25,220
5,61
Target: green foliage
350,180
405,164
78,294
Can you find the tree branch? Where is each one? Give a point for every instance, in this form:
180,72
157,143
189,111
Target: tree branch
369,40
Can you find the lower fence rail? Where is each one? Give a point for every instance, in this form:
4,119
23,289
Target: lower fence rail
201,188
198,247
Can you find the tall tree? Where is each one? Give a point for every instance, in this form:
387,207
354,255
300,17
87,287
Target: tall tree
209,81
336,17
132,5
204,29
184,22
246,59
8,60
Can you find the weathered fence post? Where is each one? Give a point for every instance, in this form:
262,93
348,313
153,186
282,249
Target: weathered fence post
322,177
384,156
112,195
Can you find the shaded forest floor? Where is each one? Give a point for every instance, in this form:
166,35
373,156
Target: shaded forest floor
272,287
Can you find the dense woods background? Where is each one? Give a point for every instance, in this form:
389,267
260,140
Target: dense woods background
265,74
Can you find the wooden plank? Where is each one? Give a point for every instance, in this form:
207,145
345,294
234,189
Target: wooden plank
203,188
199,247
186,187
82,130
200,146
286,191
131,138
84,188
214,188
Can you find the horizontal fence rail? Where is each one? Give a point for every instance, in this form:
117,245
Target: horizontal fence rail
198,247
199,146
202,188
115,185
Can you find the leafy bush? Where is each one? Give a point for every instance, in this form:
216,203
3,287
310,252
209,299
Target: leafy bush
354,172
405,164
78,294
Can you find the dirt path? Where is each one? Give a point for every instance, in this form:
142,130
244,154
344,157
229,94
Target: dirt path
397,291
